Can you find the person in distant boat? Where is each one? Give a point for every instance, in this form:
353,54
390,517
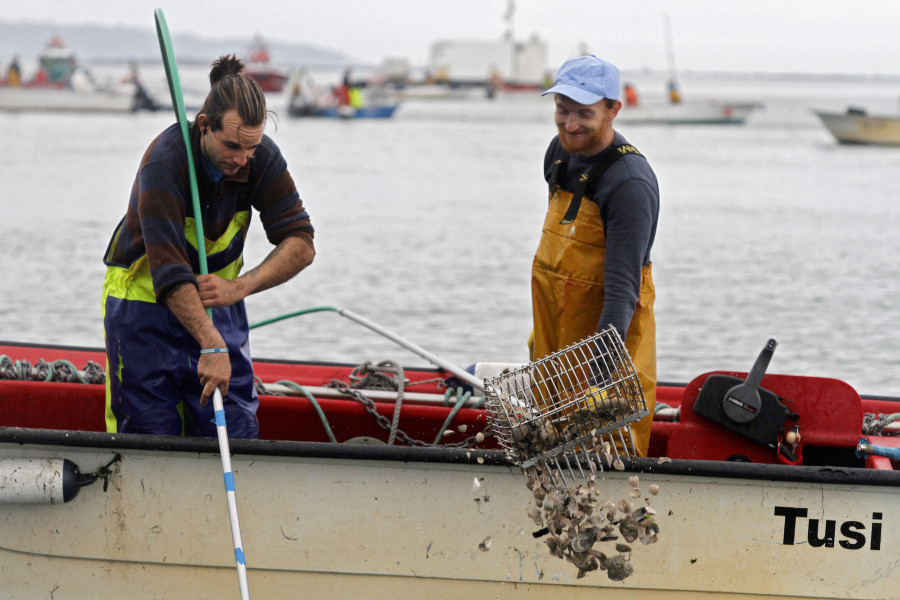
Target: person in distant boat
165,356
13,73
592,267
342,90
674,92
631,95
142,100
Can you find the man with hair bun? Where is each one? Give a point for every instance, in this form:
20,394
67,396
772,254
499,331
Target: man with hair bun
165,356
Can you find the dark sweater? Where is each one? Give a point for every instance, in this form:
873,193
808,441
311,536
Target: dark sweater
628,197
161,200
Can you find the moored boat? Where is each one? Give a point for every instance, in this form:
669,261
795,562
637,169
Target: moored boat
694,112
437,91
259,68
348,100
385,111
121,98
328,506
62,84
857,127
677,110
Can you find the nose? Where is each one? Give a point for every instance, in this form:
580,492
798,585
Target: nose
571,123
241,157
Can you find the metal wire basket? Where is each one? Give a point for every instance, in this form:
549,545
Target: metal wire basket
567,411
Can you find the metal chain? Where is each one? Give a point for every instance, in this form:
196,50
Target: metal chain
385,423
386,375
873,424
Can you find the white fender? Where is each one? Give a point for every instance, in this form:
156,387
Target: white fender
38,480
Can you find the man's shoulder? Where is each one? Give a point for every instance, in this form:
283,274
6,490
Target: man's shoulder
268,153
555,147
168,145
629,154
269,144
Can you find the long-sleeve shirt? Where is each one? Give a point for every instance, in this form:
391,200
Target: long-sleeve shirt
160,201
628,197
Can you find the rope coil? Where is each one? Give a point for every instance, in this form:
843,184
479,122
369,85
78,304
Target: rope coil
58,370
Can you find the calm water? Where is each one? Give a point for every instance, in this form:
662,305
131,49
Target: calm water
427,224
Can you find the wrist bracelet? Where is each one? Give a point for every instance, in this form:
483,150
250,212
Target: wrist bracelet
214,351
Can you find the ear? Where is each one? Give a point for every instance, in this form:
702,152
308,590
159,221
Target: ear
203,122
614,111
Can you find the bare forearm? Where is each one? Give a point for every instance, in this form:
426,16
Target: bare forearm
213,370
287,259
185,304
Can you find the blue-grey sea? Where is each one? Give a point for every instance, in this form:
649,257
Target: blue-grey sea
427,224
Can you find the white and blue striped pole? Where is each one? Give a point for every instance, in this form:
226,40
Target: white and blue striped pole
165,45
222,431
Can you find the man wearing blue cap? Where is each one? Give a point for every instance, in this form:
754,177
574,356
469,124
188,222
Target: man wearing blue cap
592,267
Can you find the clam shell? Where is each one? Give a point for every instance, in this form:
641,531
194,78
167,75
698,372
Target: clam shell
583,541
649,533
629,530
617,568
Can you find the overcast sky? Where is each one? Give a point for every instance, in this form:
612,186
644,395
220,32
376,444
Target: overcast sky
814,36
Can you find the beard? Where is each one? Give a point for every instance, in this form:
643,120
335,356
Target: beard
583,142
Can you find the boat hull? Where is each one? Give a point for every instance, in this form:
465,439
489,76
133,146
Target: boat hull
374,520
350,521
859,128
344,112
687,113
16,99
269,80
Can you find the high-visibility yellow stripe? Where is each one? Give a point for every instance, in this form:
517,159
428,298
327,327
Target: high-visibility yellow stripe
136,283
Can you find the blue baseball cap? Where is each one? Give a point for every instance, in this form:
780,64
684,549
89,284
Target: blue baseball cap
587,80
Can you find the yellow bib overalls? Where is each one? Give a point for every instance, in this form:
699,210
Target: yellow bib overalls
567,296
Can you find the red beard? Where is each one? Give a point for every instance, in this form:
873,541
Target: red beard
582,143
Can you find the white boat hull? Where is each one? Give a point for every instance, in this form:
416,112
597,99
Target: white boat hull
49,99
352,521
687,113
860,128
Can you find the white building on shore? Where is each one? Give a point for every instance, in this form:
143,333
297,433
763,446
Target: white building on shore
477,62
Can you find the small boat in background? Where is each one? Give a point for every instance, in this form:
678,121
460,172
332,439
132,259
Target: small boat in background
61,84
347,100
696,112
346,112
259,68
438,91
675,109
857,127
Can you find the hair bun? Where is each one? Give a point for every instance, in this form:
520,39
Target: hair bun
225,66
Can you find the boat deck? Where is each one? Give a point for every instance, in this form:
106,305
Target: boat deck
317,406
